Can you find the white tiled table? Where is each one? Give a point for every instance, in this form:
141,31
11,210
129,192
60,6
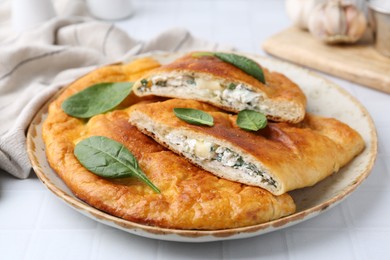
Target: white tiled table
34,224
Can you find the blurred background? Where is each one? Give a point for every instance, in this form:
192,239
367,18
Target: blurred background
35,224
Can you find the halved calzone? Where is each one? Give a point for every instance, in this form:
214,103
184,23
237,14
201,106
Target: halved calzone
190,197
278,158
208,79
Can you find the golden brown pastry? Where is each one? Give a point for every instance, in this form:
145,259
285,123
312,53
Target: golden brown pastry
190,197
279,158
208,79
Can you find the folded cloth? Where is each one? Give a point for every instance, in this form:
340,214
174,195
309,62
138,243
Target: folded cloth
36,64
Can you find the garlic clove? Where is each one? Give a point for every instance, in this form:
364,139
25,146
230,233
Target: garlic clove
331,18
299,11
294,10
357,22
335,18
335,21
350,12
308,7
317,25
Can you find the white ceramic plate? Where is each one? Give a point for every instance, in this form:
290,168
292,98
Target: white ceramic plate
324,98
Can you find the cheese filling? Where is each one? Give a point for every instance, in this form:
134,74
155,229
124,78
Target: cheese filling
211,152
229,94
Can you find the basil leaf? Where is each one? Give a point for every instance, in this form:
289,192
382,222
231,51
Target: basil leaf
201,54
194,116
144,82
243,63
110,159
232,86
97,99
251,120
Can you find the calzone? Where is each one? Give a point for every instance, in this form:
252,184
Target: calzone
191,198
211,80
279,158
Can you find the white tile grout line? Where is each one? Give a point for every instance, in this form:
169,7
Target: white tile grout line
221,250
96,241
285,244
158,249
355,243
37,225
386,162
350,230
289,244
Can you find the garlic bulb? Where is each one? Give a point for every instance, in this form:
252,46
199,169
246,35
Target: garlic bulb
336,21
299,11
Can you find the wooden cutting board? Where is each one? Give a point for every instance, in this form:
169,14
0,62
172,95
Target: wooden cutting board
359,63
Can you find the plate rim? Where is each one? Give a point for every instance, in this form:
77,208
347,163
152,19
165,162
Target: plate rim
184,235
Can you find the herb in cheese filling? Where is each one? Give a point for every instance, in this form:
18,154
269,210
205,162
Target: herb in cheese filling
208,151
233,94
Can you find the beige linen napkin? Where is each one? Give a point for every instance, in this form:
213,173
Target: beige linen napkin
36,64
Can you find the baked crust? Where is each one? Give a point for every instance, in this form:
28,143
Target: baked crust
190,198
278,92
294,155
